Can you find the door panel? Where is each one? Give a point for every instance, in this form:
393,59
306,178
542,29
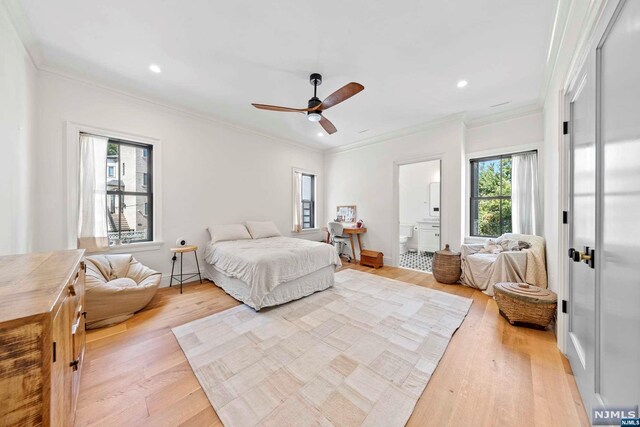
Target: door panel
582,283
619,376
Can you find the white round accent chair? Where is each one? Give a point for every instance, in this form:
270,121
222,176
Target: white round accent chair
117,286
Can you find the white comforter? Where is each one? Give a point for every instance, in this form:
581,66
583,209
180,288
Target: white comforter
266,263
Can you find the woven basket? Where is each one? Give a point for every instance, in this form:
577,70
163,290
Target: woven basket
446,266
526,304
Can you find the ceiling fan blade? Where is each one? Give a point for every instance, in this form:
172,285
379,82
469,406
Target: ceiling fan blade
327,125
284,109
342,94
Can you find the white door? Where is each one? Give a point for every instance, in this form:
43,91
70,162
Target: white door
582,234
604,226
618,376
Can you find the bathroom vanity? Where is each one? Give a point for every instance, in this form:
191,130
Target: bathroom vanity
428,236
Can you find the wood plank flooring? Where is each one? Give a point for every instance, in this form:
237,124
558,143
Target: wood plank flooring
491,374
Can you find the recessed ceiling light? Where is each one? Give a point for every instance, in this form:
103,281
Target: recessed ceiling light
320,133
462,83
155,68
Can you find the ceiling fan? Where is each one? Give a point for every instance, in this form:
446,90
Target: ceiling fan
315,106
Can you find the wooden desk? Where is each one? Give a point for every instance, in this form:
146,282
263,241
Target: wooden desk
350,231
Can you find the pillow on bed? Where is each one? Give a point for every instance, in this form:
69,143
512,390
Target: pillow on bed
222,233
260,229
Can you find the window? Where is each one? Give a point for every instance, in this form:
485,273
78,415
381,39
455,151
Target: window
111,171
304,201
491,196
130,196
308,198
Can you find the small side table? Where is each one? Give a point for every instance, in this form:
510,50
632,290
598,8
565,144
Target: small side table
182,250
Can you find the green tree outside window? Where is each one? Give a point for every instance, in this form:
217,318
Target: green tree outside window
491,196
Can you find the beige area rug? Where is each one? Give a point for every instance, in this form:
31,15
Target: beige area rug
359,353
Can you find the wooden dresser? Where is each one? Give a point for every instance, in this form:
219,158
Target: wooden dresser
42,337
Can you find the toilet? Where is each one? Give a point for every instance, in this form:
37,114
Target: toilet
406,232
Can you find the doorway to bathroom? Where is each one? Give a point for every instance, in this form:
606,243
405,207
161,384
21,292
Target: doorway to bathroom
418,214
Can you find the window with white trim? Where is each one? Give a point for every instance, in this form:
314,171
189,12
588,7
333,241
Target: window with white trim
308,200
130,196
304,200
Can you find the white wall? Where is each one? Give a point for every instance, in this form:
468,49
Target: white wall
364,176
17,124
505,134
212,173
519,133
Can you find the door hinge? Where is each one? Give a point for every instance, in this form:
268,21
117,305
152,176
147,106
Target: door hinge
565,217
565,128
564,305
54,351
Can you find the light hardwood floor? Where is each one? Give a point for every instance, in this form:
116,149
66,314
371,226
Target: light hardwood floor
491,374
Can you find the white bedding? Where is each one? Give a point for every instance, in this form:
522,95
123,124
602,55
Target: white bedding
269,262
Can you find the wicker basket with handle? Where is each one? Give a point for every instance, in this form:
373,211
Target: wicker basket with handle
446,266
526,304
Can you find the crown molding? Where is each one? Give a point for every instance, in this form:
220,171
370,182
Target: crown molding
378,139
184,111
586,41
511,114
556,40
22,30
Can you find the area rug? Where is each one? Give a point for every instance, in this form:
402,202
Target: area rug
358,354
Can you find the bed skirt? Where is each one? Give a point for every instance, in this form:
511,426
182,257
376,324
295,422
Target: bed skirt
295,289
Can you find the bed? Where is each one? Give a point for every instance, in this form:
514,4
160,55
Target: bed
267,271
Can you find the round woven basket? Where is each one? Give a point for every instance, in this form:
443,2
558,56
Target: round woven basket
446,266
526,304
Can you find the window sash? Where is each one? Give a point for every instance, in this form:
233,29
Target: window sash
120,194
309,205
473,211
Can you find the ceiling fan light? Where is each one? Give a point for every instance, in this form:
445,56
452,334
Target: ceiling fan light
314,116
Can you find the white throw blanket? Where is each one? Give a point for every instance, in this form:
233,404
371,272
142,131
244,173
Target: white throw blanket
266,263
482,270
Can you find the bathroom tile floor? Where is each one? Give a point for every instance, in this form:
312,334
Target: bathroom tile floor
416,261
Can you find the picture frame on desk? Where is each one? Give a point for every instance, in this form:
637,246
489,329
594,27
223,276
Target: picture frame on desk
346,214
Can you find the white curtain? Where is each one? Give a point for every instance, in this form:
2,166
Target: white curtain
297,202
525,205
92,207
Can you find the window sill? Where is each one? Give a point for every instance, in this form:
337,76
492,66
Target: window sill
476,239
305,231
135,247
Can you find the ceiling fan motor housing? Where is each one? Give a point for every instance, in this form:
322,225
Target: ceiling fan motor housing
315,79
315,115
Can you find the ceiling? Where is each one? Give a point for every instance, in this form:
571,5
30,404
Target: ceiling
217,57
